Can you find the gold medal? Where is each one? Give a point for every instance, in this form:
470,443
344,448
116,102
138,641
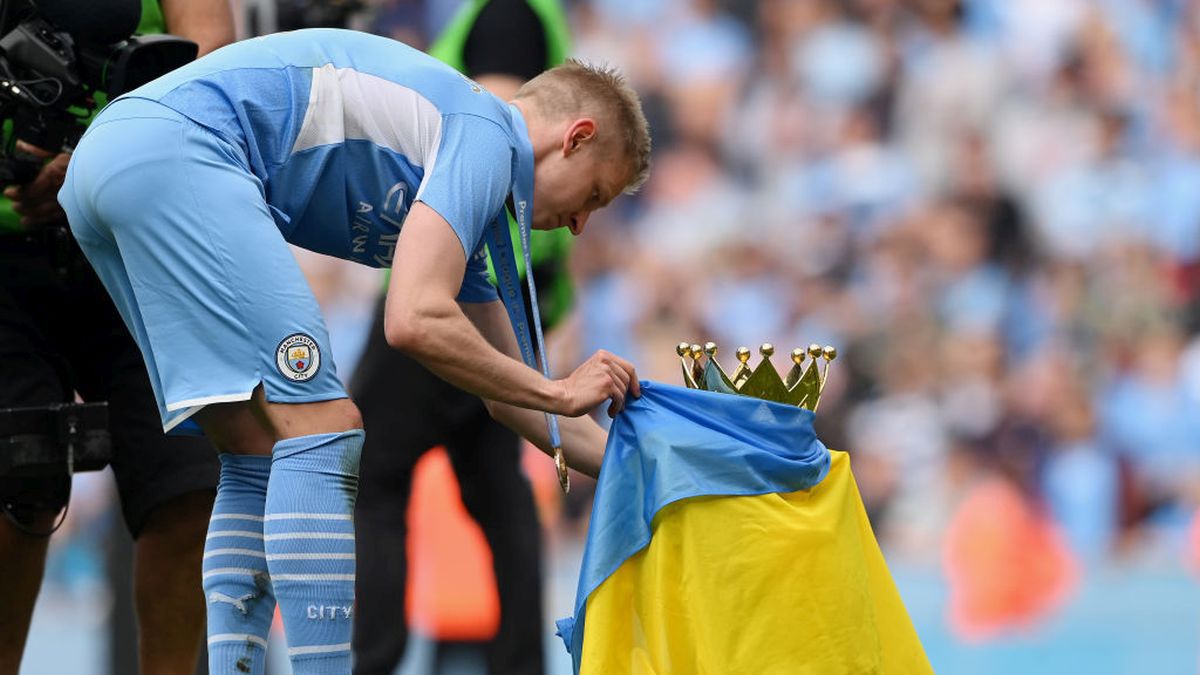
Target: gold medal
560,463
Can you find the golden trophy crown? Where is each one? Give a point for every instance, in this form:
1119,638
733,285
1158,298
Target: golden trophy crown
801,387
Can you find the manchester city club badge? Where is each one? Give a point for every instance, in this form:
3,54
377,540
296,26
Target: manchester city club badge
298,357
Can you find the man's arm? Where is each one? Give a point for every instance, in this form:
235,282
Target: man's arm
208,23
423,319
583,440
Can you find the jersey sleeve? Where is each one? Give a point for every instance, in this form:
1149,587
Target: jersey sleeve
469,178
467,185
475,286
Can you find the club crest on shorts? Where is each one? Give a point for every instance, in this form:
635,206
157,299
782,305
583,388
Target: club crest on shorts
298,357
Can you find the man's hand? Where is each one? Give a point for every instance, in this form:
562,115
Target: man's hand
603,376
37,201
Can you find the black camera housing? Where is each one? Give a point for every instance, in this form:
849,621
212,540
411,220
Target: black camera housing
62,438
49,78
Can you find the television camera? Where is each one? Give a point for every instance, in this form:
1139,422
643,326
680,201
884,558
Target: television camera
60,59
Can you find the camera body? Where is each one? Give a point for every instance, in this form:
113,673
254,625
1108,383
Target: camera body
53,64
65,437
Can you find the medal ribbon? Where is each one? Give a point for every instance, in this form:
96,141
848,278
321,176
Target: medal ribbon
499,243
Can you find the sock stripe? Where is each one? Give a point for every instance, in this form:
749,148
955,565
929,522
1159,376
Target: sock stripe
310,516
250,571
311,556
312,577
237,637
234,551
319,649
245,534
235,516
310,535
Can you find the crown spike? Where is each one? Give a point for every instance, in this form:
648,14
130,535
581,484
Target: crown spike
715,378
742,373
829,353
808,388
765,381
793,376
684,350
697,369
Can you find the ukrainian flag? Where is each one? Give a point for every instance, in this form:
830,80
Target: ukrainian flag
726,539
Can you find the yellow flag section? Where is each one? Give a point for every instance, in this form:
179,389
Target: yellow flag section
760,584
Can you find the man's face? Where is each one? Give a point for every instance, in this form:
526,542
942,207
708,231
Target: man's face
576,179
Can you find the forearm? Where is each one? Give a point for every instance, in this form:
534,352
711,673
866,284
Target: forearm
583,440
516,395
445,341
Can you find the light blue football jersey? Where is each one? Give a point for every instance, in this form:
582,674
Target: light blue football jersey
344,130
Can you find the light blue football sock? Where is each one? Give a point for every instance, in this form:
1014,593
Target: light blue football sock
309,541
236,583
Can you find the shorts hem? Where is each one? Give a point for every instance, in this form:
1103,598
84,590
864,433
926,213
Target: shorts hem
194,405
309,398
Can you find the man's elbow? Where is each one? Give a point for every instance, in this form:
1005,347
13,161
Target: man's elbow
405,331
492,409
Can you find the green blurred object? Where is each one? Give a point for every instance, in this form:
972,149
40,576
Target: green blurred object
449,46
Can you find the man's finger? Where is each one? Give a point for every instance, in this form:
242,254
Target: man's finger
618,402
30,149
631,374
620,377
615,408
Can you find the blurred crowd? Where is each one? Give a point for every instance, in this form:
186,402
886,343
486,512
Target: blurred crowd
992,209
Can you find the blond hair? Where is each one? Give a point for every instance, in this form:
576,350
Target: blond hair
575,88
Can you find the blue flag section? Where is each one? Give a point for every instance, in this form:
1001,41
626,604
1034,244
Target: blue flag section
675,443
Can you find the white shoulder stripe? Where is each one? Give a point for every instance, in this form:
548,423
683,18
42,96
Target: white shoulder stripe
346,104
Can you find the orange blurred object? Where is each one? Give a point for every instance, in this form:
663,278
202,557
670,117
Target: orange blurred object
1006,563
451,585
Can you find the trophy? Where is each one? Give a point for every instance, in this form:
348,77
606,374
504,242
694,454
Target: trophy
801,387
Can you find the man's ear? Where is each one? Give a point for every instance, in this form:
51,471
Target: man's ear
579,132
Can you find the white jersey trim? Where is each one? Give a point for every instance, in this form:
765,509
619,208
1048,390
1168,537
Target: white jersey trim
345,104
